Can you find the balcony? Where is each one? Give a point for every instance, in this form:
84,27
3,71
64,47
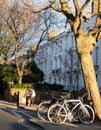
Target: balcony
56,71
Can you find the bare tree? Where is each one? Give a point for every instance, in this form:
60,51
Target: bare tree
73,67
3,33
25,28
19,21
85,40
6,41
2,6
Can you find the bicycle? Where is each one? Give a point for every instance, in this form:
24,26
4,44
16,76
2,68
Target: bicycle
68,110
43,107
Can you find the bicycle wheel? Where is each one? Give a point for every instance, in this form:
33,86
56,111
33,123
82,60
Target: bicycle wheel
43,109
57,114
86,114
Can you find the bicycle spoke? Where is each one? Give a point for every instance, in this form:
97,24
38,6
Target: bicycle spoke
57,114
86,114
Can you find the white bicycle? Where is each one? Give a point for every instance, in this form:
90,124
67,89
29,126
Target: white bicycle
68,110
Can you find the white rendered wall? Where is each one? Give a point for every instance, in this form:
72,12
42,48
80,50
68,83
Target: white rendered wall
56,59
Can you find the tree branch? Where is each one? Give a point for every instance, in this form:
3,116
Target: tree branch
66,10
96,31
85,5
45,8
77,7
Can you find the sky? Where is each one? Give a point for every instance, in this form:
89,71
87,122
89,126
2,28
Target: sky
61,19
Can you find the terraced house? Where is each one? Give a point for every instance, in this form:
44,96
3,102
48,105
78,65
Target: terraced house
59,60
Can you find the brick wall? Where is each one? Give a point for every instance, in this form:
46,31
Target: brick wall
11,94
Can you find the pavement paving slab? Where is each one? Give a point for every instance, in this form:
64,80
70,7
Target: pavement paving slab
46,125
67,126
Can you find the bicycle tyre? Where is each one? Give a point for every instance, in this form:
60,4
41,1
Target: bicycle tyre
57,114
42,110
86,115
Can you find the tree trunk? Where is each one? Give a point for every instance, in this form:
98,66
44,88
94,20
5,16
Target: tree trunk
85,45
20,80
90,79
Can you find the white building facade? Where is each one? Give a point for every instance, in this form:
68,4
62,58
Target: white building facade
59,61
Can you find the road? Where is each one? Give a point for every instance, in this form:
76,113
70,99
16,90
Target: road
11,119
10,122
20,119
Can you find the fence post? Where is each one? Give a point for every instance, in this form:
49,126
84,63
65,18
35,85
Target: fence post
18,98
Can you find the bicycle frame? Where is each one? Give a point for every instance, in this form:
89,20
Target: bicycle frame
70,111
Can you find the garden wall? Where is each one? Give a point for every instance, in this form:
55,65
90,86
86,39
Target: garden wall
11,94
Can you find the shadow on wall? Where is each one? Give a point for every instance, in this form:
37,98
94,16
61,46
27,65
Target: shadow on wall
8,96
13,94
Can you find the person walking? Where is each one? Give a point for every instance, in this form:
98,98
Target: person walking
33,96
28,96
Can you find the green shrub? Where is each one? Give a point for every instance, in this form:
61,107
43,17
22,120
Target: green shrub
22,85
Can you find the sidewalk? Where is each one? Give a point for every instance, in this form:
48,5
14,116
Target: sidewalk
14,105
67,126
49,126
8,104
